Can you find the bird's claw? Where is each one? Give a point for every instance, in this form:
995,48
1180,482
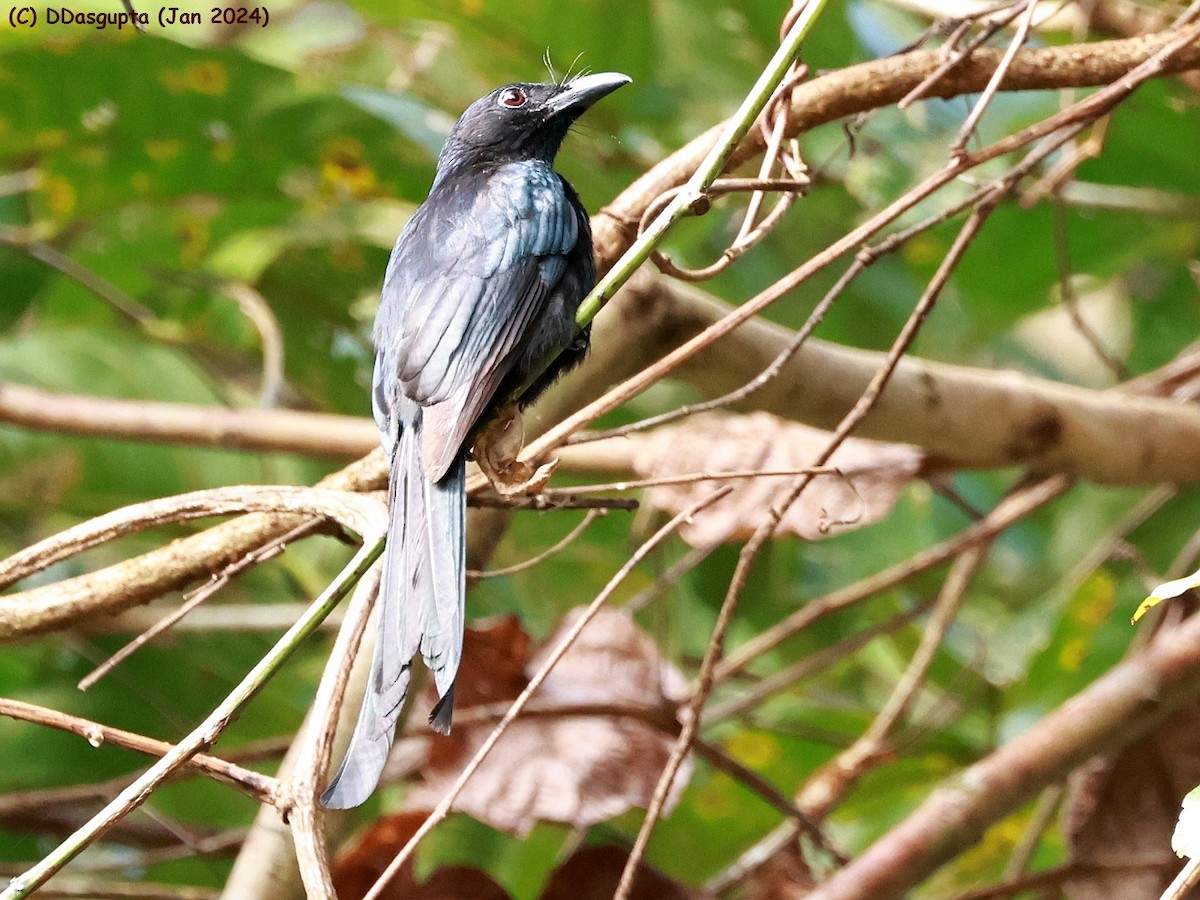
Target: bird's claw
496,450
520,478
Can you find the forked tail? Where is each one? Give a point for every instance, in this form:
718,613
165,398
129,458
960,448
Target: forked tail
421,607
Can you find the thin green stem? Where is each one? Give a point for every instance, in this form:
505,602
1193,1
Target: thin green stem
707,172
205,734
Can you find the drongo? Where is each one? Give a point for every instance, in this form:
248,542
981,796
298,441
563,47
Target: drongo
477,311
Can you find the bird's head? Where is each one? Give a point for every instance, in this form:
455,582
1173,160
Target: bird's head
524,121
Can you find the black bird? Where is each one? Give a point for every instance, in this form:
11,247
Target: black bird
480,296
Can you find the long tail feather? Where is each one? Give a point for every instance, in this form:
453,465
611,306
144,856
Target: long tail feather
421,607
445,589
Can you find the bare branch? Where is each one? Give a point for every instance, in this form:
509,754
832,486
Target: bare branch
18,615
1111,713
525,564
834,779
135,581
261,787
856,89
103,889
207,732
262,430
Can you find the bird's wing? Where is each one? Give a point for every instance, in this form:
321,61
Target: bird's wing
467,281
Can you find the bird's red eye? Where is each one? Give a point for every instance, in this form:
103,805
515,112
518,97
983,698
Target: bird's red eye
512,97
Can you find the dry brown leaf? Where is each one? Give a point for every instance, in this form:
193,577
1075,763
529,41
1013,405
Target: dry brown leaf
495,654
1122,813
361,864
873,474
592,873
784,876
577,770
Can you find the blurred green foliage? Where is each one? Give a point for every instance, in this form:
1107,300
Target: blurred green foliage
289,157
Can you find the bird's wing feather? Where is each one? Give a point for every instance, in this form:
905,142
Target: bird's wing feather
466,282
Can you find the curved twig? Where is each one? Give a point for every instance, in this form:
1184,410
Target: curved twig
60,606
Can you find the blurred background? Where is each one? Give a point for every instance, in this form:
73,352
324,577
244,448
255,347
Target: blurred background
143,174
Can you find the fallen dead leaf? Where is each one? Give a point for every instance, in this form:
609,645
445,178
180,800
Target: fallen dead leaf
872,475
576,770
1122,811
495,654
592,873
356,869
784,876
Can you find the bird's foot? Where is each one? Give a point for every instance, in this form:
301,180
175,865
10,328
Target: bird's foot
496,450
519,478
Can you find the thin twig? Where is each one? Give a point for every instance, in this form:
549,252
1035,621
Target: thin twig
1031,837
960,144
198,596
668,579
767,792
956,57
692,478
691,722
1056,180
1006,512
750,233
753,858
836,777
1062,258
82,275
254,306
260,787
666,720
566,541
808,666
546,501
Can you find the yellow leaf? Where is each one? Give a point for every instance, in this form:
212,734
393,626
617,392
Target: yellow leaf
1166,591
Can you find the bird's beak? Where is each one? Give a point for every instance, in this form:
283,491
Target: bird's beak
580,93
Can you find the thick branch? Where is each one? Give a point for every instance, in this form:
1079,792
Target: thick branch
143,578
1105,436
121,587
1110,714
961,416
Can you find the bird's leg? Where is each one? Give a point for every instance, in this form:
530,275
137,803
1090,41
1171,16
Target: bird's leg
496,450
